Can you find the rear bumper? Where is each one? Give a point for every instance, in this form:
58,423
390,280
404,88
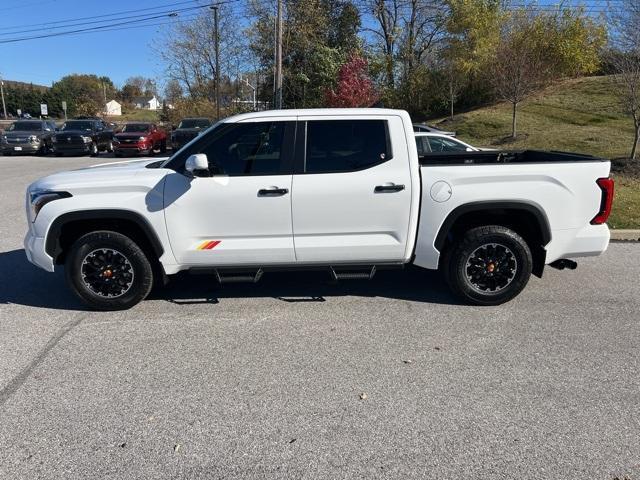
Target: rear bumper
34,247
589,241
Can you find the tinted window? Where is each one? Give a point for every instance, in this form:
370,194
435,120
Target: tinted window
25,127
345,145
247,149
194,123
78,125
423,145
440,144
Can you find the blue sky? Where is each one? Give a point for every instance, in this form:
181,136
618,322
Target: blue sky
117,54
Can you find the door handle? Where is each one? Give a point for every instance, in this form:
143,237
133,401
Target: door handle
388,188
272,192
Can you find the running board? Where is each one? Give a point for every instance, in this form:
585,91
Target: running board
230,276
352,273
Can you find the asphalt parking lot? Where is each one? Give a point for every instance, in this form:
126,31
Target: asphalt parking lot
298,378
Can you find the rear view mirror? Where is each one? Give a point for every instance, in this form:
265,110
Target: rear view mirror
197,163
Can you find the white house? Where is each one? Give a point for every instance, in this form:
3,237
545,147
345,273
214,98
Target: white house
113,109
147,103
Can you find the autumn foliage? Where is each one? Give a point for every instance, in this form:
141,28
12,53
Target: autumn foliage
354,87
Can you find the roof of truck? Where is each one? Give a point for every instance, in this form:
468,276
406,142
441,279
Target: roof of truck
317,112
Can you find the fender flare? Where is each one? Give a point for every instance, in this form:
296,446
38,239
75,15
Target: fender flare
52,244
456,213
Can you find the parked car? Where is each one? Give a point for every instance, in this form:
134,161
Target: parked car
423,127
82,137
341,189
187,130
139,138
28,136
434,143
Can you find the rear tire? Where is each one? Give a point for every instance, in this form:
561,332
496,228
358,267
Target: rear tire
108,271
93,150
488,265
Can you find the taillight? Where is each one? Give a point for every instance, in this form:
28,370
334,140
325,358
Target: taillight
606,185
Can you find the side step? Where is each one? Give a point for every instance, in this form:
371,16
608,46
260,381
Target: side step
239,276
352,272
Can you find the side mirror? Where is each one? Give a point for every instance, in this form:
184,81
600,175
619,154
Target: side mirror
196,163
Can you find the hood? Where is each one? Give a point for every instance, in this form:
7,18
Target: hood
118,176
21,133
189,130
132,134
71,133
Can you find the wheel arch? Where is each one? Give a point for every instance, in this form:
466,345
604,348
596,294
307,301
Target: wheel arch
526,219
68,227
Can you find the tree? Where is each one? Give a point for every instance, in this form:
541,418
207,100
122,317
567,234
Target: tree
627,65
84,94
354,87
517,69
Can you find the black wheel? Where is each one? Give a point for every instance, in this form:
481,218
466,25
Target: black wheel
163,147
108,271
109,148
489,265
93,150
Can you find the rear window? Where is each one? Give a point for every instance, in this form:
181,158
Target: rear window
346,145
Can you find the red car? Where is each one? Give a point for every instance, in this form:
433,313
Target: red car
139,138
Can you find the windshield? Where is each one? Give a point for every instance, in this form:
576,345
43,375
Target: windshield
78,125
136,127
194,123
25,127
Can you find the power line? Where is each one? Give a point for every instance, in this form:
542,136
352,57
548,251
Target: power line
129,17
96,16
106,26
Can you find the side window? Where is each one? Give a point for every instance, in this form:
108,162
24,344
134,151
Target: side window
439,144
345,145
247,149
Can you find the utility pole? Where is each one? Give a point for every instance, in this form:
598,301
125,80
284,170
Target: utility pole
217,48
278,99
4,107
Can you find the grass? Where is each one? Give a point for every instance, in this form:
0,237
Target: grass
579,115
137,116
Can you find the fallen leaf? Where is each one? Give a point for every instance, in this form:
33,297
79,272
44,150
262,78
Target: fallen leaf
176,447
363,396
407,361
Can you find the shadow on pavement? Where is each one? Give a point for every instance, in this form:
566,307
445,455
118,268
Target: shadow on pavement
24,284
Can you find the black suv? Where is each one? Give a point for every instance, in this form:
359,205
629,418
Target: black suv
81,137
188,129
28,136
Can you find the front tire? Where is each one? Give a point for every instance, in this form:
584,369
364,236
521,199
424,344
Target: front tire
108,271
93,150
489,265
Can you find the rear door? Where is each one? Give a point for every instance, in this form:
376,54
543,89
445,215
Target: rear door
351,190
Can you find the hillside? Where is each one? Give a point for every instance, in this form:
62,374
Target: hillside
580,115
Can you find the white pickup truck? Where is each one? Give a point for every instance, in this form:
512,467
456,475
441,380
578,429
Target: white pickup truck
344,190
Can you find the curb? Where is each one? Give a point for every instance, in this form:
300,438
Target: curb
624,235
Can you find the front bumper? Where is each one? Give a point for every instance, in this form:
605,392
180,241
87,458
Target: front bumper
130,149
34,247
20,147
72,149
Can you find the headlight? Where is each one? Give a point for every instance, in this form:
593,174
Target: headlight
142,139
34,139
40,198
87,139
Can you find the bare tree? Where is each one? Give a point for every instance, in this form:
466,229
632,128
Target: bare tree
518,68
627,82
627,63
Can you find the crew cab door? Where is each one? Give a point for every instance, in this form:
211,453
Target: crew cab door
239,212
351,190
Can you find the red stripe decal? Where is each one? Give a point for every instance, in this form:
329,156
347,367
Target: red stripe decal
211,245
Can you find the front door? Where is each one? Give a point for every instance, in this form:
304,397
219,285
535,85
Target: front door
241,213
352,191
